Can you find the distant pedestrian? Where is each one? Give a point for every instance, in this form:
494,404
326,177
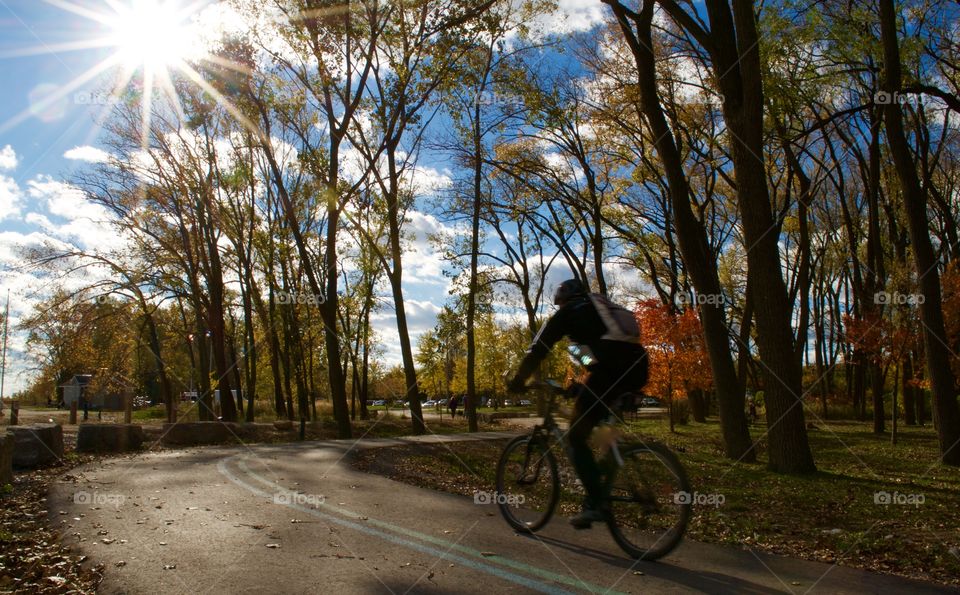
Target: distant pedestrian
753,410
453,406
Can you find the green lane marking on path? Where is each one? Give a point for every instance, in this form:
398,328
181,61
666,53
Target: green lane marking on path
498,572
448,545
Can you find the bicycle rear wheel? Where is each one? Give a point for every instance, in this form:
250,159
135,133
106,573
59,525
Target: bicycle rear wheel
649,501
528,487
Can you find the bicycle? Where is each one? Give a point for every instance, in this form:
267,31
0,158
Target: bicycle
644,485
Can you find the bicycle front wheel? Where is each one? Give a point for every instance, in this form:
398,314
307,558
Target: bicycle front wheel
650,501
528,487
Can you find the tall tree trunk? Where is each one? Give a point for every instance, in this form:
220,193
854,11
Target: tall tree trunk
942,381
329,297
165,386
700,262
860,383
818,347
920,396
331,340
698,405
279,405
736,60
876,390
470,407
909,403
395,275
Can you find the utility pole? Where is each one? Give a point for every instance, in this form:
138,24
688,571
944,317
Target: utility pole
3,369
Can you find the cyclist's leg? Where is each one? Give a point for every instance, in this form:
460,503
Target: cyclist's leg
589,410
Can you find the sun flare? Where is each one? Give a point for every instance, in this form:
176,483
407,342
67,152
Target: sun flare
148,47
154,34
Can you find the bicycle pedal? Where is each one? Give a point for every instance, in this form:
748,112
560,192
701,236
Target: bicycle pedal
581,525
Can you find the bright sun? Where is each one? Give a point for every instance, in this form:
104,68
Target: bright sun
148,43
153,34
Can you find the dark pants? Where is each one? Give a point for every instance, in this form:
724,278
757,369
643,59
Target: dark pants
595,400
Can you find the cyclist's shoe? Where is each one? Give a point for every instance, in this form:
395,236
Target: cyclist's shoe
587,517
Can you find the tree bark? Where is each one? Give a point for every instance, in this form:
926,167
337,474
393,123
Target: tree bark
733,45
700,262
942,381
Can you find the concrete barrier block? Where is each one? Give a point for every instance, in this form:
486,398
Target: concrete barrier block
109,437
6,458
201,432
37,445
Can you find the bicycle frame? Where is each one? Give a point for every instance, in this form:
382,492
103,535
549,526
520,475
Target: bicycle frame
626,485
543,432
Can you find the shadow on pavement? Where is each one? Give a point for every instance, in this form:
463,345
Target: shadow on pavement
707,582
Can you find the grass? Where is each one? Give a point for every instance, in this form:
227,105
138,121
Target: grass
833,515
838,512
391,425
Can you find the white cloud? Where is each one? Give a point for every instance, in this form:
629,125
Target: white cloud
10,198
28,287
421,317
12,242
427,180
423,261
572,16
8,158
64,200
40,221
87,153
87,225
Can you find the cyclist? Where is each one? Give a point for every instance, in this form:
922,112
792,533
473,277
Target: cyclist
607,339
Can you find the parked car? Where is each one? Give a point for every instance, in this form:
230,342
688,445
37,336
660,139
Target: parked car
378,403
649,402
525,402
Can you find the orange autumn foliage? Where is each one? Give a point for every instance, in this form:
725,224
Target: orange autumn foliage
678,355
887,339
951,313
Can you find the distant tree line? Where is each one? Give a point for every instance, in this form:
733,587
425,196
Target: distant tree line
782,178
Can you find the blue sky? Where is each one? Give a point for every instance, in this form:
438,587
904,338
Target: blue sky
43,142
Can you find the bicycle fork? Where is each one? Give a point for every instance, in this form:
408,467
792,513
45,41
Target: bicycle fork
536,443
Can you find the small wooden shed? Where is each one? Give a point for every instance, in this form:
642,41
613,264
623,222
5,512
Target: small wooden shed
79,386
74,389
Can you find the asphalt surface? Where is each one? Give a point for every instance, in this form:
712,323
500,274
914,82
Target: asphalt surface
296,518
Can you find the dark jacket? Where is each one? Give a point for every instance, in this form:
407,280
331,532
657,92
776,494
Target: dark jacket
612,335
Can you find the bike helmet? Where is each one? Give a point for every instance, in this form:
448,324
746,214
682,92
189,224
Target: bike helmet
567,290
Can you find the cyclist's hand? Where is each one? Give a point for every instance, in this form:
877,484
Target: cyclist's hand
516,385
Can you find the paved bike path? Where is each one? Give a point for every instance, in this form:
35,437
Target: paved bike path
296,518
